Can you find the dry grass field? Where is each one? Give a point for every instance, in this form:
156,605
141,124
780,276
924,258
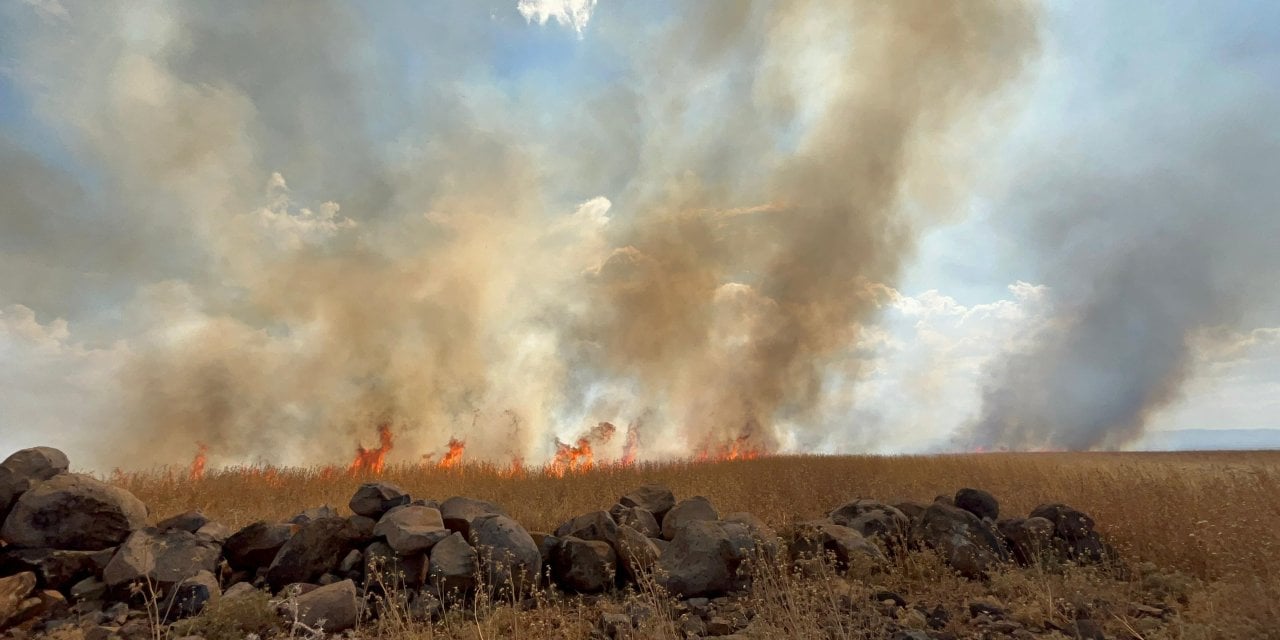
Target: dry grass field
1200,531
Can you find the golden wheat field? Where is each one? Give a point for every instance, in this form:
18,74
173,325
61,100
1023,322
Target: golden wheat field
1199,531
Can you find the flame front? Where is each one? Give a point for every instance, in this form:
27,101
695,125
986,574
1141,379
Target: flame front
453,457
373,460
197,463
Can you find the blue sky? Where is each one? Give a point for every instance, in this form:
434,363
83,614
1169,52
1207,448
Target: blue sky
180,180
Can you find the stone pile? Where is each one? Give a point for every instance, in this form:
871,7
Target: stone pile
74,550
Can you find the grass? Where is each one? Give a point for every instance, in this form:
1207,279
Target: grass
1203,528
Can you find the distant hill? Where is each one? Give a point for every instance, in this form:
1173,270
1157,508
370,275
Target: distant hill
1209,440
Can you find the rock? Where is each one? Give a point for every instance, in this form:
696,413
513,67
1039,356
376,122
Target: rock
823,539
256,545
453,566
980,608
384,567
412,529
889,596
584,566
654,498
970,545
15,592
73,512
694,509
1028,539
215,531
333,608
616,626
874,519
718,626
702,559
597,525
459,512
363,526
509,559
641,520
1074,535
637,554
353,561
910,634
316,549
913,510
1086,629
978,502
373,499
191,596
88,590
238,590
314,513
547,544
54,569
164,557
23,469
190,522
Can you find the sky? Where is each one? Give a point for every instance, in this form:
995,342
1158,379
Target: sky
826,227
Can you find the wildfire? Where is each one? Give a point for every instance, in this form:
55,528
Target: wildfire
740,449
630,447
453,457
372,460
568,458
197,463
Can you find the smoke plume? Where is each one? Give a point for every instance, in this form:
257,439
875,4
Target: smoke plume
304,245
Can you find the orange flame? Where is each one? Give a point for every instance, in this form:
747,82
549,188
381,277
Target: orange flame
197,464
740,449
571,458
453,457
372,460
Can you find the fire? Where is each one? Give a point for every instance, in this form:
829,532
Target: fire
630,447
740,449
197,464
372,460
568,458
453,457
515,469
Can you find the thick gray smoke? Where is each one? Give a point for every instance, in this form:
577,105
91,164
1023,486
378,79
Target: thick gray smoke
301,241
1152,240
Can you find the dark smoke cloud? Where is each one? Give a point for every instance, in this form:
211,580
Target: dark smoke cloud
693,245
1147,238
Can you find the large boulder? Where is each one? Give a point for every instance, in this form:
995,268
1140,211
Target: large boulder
16,601
845,547
584,566
654,498
765,538
317,548
314,513
373,499
640,519
459,512
75,512
695,509
703,559
412,529
1029,539
24,468
453,566
636,552
256,545
509,558
163,557
383,566
191,522
54,569
1074,536
191,596
970,545
874,519
334,607
979,503
597,525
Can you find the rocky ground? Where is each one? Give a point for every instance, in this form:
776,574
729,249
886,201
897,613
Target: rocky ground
78,560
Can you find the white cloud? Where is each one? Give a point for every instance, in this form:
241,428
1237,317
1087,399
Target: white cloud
570,13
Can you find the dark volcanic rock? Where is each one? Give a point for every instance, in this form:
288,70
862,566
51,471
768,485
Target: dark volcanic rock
1074,535
825,539
694,509
382,565
314,550
373,499
874,519
459,512
314,513
453,566
1028,539
257,544
54,569
336,604
637,553
164,557
702,560
75,512
190,522
654,498
509,559
978,502
597,525
641,520
190,597
970,545
584,566
24,468
412,529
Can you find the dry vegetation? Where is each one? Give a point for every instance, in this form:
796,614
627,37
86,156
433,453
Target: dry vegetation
1200,530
